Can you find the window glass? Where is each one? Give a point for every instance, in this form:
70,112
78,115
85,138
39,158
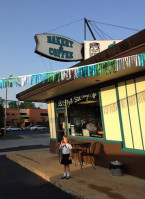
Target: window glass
84,118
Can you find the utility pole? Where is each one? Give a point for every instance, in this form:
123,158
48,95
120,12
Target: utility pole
86,23
84,29
5,121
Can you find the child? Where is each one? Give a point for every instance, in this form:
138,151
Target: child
66,159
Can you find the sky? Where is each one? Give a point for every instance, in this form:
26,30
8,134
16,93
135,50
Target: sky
21,20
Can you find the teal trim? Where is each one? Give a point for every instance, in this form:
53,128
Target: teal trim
53,139
138,114
56,120
120,116
67,132
66,120
101,109
94,139
134,151
85,138
57,109
113,141
56,126
129,115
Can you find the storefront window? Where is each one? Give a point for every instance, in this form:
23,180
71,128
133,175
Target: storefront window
84,118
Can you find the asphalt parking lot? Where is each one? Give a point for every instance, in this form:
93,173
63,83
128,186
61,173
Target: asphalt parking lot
29,140
17,182
22,132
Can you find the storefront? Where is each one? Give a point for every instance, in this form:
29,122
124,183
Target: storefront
107,108
83,115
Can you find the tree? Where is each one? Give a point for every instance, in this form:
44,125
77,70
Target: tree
20,120
1,116
44,122
27,105
13,104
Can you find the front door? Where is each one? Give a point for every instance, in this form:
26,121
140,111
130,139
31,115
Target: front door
60,124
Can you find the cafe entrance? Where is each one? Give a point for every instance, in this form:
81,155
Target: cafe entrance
60,124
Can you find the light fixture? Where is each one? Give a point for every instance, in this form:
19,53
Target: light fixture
88,102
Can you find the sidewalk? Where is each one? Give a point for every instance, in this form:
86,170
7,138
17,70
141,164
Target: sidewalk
86,183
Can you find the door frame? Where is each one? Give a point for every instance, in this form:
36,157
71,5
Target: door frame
57,111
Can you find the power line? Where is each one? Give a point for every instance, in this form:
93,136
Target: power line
44,63
101,31
123,27
98,33
50,64
65,25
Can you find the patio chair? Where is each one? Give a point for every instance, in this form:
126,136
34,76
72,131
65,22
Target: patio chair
76,155
78,150
89,154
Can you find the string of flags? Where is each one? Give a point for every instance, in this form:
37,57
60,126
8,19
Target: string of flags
97,69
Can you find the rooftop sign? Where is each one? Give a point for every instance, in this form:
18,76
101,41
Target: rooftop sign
94,47
58,47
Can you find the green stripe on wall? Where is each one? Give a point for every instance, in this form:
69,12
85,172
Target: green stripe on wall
138,114
66,119
120,116
129,115
101,109
53,139
134,151
94,139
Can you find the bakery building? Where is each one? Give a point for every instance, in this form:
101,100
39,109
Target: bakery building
105,93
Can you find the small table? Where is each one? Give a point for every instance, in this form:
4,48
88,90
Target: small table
83,145
80,147
79,143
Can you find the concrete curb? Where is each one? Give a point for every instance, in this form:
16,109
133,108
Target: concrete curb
68,190
44,176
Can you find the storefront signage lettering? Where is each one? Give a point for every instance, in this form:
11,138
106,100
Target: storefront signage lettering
81,98
61,103
60,41
77,99
58,47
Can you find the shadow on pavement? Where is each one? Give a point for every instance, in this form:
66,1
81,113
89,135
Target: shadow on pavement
22,148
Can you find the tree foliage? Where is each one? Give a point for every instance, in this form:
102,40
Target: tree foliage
13,104
22,105
44,122
27,105
20,120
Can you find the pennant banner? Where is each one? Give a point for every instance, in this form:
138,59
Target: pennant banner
75,73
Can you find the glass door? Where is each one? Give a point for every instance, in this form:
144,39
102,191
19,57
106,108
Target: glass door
60,124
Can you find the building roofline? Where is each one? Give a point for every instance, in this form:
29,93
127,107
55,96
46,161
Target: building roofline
126,47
